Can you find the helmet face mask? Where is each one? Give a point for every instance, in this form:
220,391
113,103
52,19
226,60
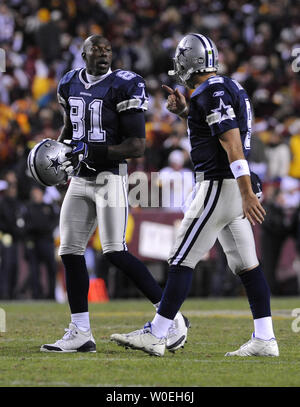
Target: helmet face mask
195,53
45,162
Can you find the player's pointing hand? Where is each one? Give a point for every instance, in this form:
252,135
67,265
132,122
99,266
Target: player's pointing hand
176,102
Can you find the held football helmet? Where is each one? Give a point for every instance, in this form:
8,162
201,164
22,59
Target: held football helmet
45,162
194,53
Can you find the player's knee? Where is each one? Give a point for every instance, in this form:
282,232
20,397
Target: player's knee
185,263
239,262
238,266
109,254
248,268
78,251
113,247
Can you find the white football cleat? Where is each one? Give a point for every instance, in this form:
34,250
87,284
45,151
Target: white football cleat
257,347
177,334
73,340
176,337
142,339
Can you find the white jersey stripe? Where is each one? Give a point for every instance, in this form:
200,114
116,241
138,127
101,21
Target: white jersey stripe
131,104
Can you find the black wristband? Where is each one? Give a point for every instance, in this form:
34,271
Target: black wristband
96,153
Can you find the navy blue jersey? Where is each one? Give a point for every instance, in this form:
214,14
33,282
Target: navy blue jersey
217,105
95,108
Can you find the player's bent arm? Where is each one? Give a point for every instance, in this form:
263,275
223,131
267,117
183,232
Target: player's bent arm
132,147
132,126
67,130
231,142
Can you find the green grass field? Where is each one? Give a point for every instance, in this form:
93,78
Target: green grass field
218,326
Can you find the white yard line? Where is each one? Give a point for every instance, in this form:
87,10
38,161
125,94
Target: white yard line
196,313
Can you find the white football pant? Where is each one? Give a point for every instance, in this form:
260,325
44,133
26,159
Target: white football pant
215,213
89,202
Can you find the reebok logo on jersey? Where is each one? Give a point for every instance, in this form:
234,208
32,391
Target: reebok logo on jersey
223,112
218,93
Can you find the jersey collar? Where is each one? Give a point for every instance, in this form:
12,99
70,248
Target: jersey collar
86,84
203,85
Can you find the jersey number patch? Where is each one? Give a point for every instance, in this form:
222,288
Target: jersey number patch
77,117
126,75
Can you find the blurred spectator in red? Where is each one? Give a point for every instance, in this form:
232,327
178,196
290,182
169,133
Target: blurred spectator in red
281,222
12,230
48,35
41,220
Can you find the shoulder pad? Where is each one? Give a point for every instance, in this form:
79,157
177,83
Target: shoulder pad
128,77
68,76
238,85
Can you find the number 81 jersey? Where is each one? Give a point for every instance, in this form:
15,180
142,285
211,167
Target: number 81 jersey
94,108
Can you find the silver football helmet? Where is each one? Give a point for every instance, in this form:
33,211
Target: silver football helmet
45,162
194,53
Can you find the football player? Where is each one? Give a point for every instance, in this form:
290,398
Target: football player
225,205
104,124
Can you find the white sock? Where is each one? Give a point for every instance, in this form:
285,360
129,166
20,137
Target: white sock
81,320
160,325
263,328
156,306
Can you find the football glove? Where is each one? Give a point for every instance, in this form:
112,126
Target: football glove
75,157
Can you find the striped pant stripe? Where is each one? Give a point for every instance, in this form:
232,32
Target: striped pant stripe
126,212
198,224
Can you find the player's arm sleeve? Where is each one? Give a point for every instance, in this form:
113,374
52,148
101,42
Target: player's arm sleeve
132,96
217,107
62,96
132,102
132,124
67,130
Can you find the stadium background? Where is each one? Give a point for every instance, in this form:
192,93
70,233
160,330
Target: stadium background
42,41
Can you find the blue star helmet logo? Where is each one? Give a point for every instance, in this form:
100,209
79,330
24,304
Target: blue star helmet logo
54,163
182,50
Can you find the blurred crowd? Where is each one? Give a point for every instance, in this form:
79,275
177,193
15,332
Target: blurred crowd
42,40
